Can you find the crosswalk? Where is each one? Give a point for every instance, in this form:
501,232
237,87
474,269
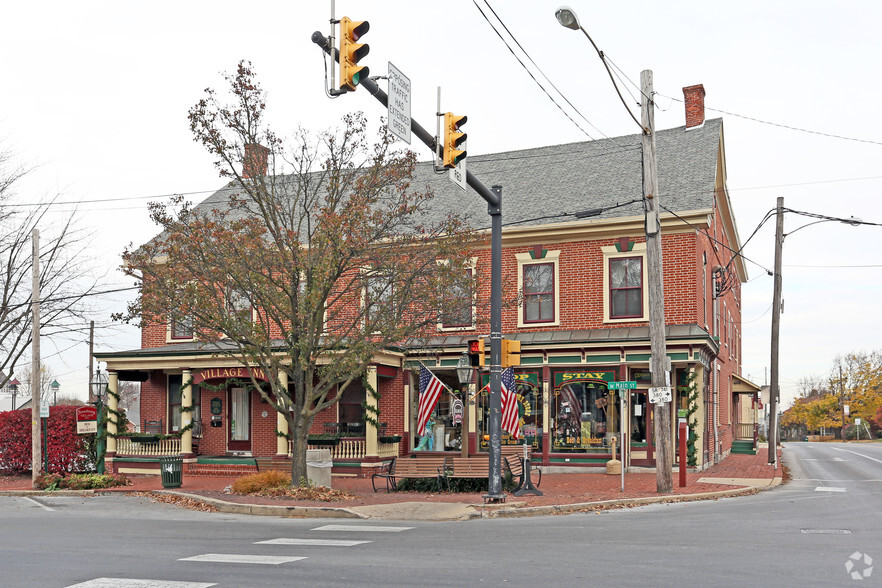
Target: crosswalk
252,559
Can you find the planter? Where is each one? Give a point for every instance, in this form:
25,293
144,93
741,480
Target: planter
145,438
322,442
389,439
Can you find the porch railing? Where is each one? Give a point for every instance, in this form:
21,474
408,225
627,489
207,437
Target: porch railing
354,449
125,447
745,431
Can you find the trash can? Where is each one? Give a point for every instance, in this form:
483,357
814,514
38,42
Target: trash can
318,467
172,469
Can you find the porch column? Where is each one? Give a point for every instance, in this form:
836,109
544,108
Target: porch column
546,414
186,414
112,408
370,429
282,422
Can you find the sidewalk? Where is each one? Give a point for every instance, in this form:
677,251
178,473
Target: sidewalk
570,492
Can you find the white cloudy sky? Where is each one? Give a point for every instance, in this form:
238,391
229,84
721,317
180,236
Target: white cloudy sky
95,95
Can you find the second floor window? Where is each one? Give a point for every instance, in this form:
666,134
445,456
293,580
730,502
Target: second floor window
538,292
181,327
239,304
460,314
626,287
378,297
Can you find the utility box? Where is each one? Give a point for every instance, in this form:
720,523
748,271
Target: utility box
318,467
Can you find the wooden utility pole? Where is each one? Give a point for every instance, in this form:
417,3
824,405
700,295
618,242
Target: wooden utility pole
36,441
91,362
776,329
664,453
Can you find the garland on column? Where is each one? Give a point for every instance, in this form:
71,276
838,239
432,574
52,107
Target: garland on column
691,390
371,412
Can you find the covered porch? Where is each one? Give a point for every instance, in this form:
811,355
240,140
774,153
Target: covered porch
746,405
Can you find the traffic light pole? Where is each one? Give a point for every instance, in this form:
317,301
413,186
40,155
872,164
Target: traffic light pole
494,208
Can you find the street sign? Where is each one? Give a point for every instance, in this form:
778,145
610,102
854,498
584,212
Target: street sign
622,385
857,421
44,406
457,174
845,409
399,104
87,420
657,395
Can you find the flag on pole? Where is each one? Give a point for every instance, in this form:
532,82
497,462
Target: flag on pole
511,420
430,391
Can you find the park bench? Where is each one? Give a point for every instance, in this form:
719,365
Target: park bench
477,466
513,459
429,467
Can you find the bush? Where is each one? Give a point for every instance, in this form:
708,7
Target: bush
53,481
255,483
67,451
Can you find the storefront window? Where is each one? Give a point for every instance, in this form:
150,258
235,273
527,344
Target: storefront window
529,394
174,406
445,433
585,413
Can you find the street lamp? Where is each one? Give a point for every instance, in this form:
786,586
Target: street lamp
99,389
13,389
53,387
464,374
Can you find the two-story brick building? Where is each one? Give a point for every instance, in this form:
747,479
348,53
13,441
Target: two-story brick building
581,317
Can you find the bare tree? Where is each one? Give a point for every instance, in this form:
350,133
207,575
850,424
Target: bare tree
64,269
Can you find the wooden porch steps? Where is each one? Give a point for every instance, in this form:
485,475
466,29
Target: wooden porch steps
743,447
219,470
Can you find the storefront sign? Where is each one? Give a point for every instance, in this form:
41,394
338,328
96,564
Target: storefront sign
87,420
561,378
226,373
456,411
216,406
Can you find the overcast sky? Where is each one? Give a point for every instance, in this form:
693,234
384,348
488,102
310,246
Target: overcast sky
95,95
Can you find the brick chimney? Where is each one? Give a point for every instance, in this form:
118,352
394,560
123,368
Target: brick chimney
693,96
255,162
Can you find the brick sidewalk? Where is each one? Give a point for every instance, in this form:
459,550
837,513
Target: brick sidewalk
558,489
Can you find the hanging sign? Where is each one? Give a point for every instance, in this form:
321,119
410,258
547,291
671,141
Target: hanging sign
87,420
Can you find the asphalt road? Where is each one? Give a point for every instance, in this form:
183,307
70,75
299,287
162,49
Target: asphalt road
804,533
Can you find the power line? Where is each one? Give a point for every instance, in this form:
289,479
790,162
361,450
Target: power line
783,126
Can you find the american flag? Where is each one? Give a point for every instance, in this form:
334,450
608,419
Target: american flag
430,391
511,420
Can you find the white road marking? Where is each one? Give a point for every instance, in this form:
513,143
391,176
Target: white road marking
839,459
377,529
40,504
860,454
272,560
829,489
137,583
322,542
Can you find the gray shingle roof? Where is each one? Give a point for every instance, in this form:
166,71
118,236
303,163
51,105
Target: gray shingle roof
548,181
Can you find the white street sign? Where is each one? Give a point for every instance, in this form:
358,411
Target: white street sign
399,104
44,406
457,175
657,395
857,421
845,409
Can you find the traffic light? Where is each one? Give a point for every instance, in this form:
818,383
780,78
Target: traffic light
476,352
511,353
350,52
453,138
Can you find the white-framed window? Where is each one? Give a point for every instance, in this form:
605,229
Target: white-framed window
180,327
539,288
378,296
238,303
462,299
624,284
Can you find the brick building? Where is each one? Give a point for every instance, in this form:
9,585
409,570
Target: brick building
574,246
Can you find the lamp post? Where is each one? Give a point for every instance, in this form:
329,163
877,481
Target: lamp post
464,374
53,387
99,388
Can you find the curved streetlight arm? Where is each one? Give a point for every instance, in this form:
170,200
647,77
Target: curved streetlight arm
567,18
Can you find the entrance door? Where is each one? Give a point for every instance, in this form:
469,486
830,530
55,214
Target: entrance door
639,429
239,419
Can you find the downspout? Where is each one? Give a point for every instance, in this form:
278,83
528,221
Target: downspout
715,369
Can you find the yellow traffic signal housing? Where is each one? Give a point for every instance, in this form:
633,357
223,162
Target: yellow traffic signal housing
476,352
511,353
452,139
351,52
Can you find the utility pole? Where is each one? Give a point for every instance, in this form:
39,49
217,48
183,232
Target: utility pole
776,330
841,401
89,372
664,458
36,441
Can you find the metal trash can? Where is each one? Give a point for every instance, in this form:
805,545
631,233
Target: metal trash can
318,467
172,470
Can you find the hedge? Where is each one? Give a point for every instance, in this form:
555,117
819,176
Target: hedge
68,451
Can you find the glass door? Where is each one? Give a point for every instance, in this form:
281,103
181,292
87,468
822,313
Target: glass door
240,420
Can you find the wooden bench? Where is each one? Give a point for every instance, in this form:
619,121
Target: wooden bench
477,466
431,467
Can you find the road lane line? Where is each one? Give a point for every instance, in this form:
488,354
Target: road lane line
377,529
829,489
139,583
320,542
38,503
272,560
860,454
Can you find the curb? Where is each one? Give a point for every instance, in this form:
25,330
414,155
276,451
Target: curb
269,510
48,492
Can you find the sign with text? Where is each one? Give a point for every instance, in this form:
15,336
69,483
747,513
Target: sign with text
87,420
623,385
657,395
457,175
44,406
399,104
